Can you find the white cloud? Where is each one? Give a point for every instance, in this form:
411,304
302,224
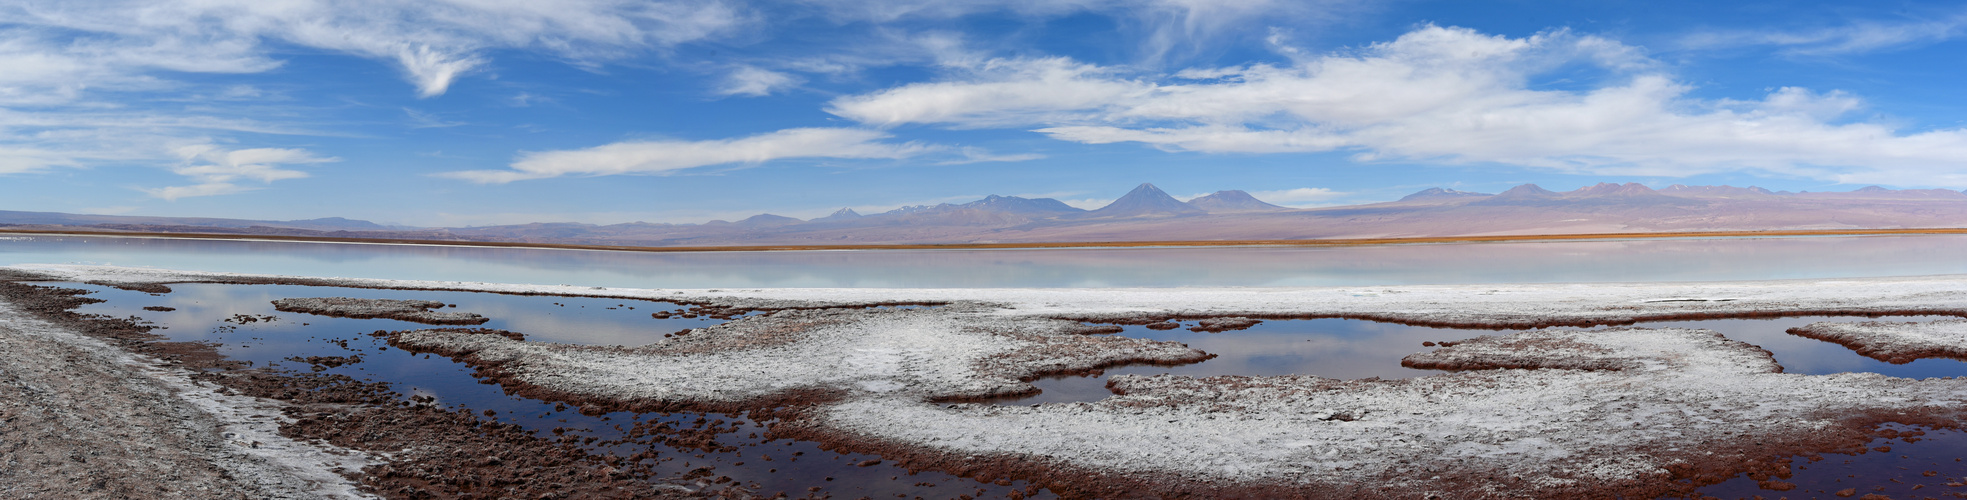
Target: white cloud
419,119
1437,94
173,193
1857,37
1161,26
997,92
663,157
218,171
754,81
86,136
1088,203
432,42
981,155
96,83
1300,197
433,70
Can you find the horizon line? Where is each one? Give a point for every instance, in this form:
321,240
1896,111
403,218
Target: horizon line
1335,242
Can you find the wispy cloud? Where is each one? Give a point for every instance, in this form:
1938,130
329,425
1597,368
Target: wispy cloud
664,157
419,119
1861,36
755,82
219,171
1441,95
980,155
1087,203
433,43
1164,29
1300,197
82,80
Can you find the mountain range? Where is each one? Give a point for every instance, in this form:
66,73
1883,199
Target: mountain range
1149,214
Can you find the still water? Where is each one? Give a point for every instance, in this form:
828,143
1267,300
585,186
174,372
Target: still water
1332,348
1693,259
1356,349
1335,348
200,313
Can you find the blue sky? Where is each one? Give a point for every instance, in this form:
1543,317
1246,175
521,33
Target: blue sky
475,112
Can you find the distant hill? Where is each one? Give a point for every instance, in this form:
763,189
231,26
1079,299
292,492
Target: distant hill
1149,214
62,219
1232,201
1720,192
1144,201
1440,194
842,215
1016,205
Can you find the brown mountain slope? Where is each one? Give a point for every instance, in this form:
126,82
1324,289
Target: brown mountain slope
1147,214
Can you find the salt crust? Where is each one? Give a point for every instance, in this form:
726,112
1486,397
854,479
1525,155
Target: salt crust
1895,342
912,354
1501,305
249,427
1681,392
1595,408
407,310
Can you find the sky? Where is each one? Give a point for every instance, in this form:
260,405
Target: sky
482,112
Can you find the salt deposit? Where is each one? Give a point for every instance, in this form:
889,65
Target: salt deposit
1894,342
418,311
1625,411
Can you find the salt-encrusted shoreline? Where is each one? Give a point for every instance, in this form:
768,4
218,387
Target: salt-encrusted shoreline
1632,412
1893,341
1495,306
95,421
416,311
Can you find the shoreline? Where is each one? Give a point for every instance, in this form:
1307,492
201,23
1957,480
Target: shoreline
1571,396
1335,242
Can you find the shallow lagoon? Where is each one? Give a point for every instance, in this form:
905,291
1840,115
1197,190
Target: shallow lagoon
1686,259
205,312
1337,348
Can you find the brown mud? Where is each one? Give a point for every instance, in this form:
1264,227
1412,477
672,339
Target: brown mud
414,311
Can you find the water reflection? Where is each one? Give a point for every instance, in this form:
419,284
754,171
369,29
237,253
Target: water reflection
1929,462
1816,357
1355,349
1334,348
200,311
1576,261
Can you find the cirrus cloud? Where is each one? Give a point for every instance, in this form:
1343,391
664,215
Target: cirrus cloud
219,171
432,42
1437,94
663,157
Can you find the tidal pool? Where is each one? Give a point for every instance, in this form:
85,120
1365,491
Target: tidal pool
217,313
1355,349
241,319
